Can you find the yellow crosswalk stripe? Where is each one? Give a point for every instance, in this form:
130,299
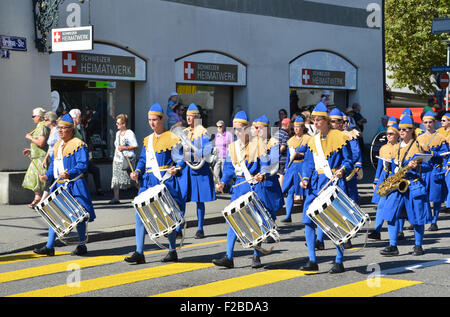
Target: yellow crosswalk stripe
115,280
25,257
366,288
235,284
80,262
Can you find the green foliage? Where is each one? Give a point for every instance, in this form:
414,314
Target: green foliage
411,48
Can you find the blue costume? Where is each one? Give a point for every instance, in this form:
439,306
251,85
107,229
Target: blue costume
200,182
168,153
251,154
414,201
293,167
72,156
338,154
435,179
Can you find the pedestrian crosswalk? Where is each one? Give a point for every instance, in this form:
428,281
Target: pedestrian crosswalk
220,282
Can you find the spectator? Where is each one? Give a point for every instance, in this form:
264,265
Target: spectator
293,102
309,125
221,141
50,119
383,125
357,116
282,114
282,136
125,145
175,118
173,102
351,120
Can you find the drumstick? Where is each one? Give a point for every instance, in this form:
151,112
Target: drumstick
54,183
242,182
129,163
331,180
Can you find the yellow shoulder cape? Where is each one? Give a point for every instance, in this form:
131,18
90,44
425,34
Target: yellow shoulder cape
334,141
69,147
428,141
295,142
252,151
386,151
195,133
165,141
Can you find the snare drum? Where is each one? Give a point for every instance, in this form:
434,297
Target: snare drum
250,220
61,211
337,215
158,211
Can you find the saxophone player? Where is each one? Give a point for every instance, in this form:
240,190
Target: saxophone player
413,199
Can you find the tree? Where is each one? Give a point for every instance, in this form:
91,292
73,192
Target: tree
411,48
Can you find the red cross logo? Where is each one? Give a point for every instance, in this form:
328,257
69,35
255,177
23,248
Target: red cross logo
306,76
189,70
69,62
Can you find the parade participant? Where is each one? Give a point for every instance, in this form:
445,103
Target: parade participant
413,201
433,142
36,153
445,128
69,164
273,198
243,163
161,153
200,188
383,172
328,157
293,168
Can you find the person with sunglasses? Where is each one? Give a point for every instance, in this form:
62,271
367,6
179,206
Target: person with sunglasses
382,173
412,203
235,167
433,142
334,160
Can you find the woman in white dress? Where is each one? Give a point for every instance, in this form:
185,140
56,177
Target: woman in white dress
125,145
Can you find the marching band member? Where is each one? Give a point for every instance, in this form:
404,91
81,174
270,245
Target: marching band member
200,181
433,142
383,171
273,198
243,163
415,199
68,164
295,155
161,154
444,130
328,157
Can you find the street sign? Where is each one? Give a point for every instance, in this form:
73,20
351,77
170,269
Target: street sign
440,25
443,80
440,69
13,43
72,39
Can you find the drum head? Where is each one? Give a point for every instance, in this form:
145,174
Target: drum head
322,201
148,194
238,204
377,142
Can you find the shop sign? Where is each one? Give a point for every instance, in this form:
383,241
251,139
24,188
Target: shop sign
326,78
97,64
196,71
72,39
13,43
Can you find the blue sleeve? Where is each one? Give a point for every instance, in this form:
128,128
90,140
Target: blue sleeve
227,170
308,166
140,167
81,162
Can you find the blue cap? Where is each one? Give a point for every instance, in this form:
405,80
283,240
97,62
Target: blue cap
392,120
394,127
192,109
262,121
66,120
156,109
299,121
429,115
336,114
406,122
406,112
241,117
320,110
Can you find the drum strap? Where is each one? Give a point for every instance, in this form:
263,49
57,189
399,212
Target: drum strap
151,161
241,162
58,164
320,162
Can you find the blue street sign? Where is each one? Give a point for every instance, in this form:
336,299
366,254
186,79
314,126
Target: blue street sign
440,69
13,43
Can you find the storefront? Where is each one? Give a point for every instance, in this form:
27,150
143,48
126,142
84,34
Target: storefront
101,84
208,79
322,72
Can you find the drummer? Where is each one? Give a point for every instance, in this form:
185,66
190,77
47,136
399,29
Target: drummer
247,176
68,165
433,142
330,151
159,145
296,148
200,182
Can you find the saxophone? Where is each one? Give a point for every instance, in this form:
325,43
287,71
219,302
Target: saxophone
395,182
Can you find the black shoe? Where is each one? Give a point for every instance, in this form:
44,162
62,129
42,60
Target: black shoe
137,258
374,235
170,257
256,262
287,220
433,227
401,236
348,245
337,268
224,261
417,250
45,250
389,251
320,245
114,201
310,266
79,250
199,234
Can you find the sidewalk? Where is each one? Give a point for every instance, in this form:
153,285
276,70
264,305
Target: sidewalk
23,229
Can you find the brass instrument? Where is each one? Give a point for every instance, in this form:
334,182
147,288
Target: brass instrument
395,182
